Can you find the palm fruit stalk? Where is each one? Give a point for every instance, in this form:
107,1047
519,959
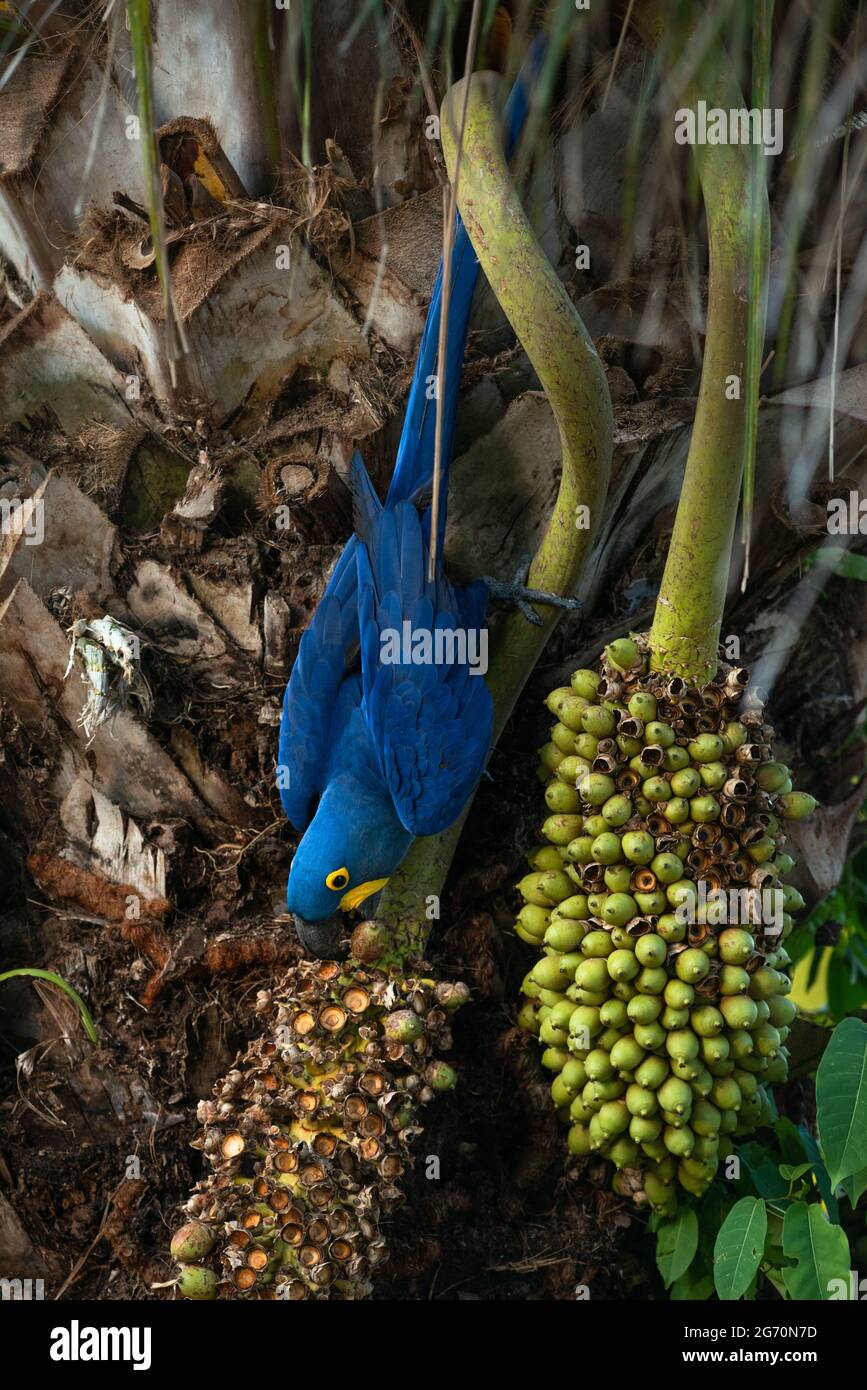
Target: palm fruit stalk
308,1134
660,998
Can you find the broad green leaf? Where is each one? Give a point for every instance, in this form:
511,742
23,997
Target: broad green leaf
676,1244
841,1100
759,1172
792,1171
694,1285
739,1247
855,1186
820,1249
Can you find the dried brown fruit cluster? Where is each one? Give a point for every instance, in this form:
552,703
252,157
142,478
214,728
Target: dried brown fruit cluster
308,1135
660,904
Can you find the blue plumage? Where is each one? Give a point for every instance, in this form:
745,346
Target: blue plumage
386,721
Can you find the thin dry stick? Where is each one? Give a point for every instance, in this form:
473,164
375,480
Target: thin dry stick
617,51
844,198
450,203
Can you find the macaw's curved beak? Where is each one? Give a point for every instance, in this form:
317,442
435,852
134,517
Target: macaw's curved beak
322,940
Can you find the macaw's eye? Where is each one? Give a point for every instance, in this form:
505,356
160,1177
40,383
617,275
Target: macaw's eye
338,879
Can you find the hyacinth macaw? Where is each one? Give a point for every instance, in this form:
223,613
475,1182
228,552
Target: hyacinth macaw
374,752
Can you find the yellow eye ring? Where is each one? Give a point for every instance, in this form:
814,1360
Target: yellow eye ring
338,879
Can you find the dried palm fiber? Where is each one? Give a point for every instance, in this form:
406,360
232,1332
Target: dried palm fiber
308,1135
660,904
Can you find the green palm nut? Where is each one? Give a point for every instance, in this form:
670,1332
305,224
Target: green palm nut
580,1111
682,1044
792,899
572,769
705,1118
585,683
622,965
651,1072
678,1141
656,732
617,878
578,1140
585,1020
702,1083
561,1013
726,1093
550,756
527,1018
545,857
594,903
677,811
642,705
650,1036
555,699
657,789
534,920
765,983
684,844
740,1042
613,1014
714,1050
641,1101
796,805
762,850
670,927
651,980
675,759
607,1039
733,979
643,807
545,888
678,994
197,1282
548,974
564,738
580,850
680,893
623,989
645,1129
704,809
623,1152
561,829
644,1008
675,1096
691,965
597,943
771,776
674,1018
561,798
614,1117
586,747
638,846
660,1195
561,1093
617,910
767,1040
596,788
596,1093
193,1242
597,1065
574,1074
667,867
781,1011
734,736
763,1011
707,1021
598,720
644,770
626,1055
606,848
623,653
598,1137
706,748
564,935
713,775
706,1147
554,1058
747,1082
570,713
574,909
592,974
784,864
590,996
777,1069
617,810
596,825
736,945
651,950
551,1035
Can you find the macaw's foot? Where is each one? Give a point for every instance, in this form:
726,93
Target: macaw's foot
322,940
515,591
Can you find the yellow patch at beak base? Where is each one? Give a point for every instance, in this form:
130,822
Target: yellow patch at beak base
356,896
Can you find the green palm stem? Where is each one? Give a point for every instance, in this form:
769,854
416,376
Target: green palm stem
563,355
685,634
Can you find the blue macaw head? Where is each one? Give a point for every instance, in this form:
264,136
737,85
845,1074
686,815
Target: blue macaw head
348,852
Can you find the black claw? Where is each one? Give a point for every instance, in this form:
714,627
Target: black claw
516,592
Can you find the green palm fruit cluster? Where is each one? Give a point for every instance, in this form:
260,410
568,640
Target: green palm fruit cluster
659,902
308,1135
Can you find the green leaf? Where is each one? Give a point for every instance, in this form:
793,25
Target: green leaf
820,1249
676,1244
792,1171
760,1173
694,1285
823,1182
739,1246
844,563
855,1186
841,1100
